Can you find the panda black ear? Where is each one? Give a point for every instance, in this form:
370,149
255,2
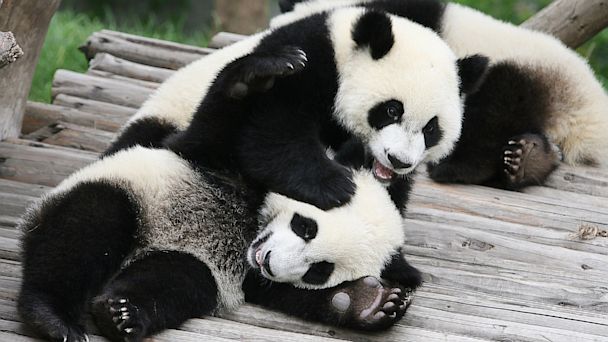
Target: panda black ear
374,30
472,71
287,5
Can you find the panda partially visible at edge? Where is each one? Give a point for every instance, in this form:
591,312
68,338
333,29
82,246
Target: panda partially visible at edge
540,102
391,83
122,230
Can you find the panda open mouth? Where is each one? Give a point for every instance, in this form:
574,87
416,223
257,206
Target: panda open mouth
382,173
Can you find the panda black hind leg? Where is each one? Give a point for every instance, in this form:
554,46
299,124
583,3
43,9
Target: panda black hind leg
528,160
73,243
363,304
257,71
159,291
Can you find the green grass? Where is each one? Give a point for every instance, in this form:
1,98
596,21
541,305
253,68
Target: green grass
69,30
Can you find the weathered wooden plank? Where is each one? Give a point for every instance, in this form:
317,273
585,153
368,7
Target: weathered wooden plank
39,163
99,89
39,115
531,285
490,328
142,50
505,206
583,180
14,204
123,67
74,136
466,244
18,188
222,39
133,81
92,106
213,326
562,195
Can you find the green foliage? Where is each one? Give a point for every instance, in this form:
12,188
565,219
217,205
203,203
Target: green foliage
69,30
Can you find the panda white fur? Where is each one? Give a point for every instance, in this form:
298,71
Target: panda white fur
328,98
157,242
539,94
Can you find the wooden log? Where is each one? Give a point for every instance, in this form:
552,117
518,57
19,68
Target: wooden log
222,39
39,115
73,136
38,163
572,21
28,20
112,76
147,51
99,89
123,67
9,49
93,107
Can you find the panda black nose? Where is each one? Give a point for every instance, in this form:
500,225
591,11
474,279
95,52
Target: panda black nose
398,164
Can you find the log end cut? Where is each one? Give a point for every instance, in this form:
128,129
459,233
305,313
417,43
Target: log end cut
9,49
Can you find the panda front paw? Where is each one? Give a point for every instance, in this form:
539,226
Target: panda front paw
119,319
335,188
257,72
366,304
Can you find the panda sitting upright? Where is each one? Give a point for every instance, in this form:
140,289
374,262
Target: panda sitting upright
540,101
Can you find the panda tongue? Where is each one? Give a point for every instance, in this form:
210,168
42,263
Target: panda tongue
382,171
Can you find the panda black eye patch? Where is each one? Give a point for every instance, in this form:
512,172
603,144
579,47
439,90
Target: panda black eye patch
432,133
304,227
318,273
385,113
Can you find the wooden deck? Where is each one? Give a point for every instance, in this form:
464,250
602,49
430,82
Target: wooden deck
498,265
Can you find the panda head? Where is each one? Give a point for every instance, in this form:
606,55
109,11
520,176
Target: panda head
311,248
400,88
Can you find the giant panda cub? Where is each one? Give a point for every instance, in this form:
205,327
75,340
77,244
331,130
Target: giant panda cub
354,72
156,241
540,101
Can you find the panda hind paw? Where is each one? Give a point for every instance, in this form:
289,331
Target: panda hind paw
258,71
119,319
367,304
528,159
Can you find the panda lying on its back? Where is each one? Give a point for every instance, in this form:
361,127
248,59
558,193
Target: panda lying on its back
361,76
537,94
158,242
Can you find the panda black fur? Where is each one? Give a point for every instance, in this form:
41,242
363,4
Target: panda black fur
324,104
539,96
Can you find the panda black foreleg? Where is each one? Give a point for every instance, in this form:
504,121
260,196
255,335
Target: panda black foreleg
528,159
399,271
159,291
363,304
286,155
467,170
71,247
